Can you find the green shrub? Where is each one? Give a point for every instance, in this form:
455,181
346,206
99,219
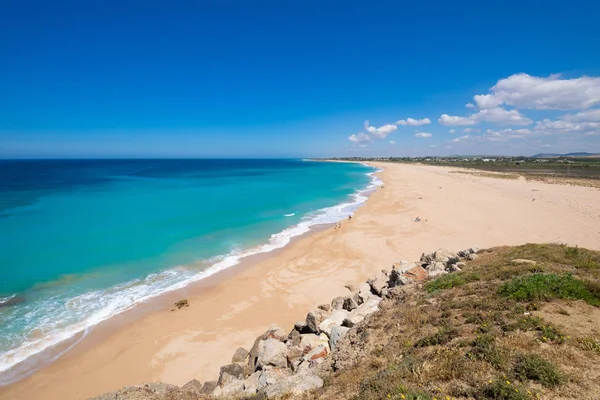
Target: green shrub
536,368
503,389
547,287
450,281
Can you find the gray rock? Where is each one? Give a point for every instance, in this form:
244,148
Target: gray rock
337,333
351,302
275,332
460,265
194,386
473,250
230,373
271,376
364,293
378,283
240,355
352,288
295,385
230,389
311,341
443,255
294,356
208,387
300,326
365,309
335,319
324,307
251,384
314,318
454,268
293,338
273,354
472,256
337,303
404,266
463,253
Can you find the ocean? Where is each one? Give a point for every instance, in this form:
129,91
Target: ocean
84,240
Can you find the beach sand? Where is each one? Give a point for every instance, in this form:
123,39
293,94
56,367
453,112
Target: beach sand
456,210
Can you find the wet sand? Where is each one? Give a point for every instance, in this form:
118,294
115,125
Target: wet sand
230,309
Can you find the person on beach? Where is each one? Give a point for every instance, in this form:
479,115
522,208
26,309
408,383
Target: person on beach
394,277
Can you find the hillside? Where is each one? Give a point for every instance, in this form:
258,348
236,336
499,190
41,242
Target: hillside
507,323
503,328
555,155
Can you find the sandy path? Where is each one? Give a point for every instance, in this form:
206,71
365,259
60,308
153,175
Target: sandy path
460,210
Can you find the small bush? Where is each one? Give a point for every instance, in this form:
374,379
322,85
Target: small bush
503,389
536,368
484,348
589,344
547,287
442,336
450,281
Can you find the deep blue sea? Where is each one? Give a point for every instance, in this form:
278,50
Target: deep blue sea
84,240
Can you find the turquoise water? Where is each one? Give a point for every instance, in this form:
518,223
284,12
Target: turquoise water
83,240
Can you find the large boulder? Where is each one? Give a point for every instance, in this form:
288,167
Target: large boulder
251,384
271,376
311,341
294,356
337,333
229,373
294,385
365,309
437,268
337,303
317,354
293,338
273,354
208,387
230,389
239,356
378,283
351,302
335,319
194,386
443,255
275,332
314,318
364,292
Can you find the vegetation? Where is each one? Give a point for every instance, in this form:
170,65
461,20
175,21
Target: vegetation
496,330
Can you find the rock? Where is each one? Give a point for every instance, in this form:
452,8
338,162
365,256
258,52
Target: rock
472,256
194,386
443,255
378,283
231,388
313,319
463,253
273,354
473,250
300,326
437,268
404,266
293,338
251,384
364,293
239,356
230,373
351,302
523,261
271,376
294,355
182,303
337,332
352,288
365,309
335,319
311,341
317,353
208,387
385,291
324,307
337,303
453,268
295,385
460,265
275,332
427,258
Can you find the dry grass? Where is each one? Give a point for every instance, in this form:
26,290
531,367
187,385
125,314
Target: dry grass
461,338
497,175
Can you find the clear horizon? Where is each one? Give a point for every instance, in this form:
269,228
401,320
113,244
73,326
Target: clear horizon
271,80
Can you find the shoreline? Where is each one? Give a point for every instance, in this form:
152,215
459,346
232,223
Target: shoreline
460,211
83,340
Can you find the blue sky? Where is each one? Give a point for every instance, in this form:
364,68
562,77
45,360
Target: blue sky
297,79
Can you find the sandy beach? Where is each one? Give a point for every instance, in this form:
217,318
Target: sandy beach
230,310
